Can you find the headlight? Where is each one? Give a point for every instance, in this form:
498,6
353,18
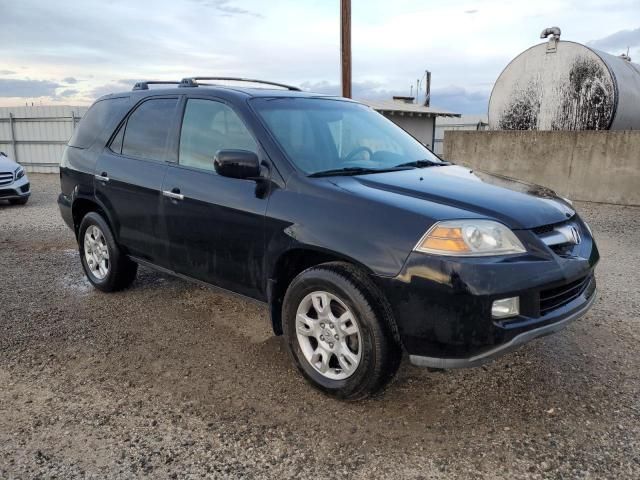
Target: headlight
19,173
470,238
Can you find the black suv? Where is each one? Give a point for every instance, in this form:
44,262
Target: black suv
362,242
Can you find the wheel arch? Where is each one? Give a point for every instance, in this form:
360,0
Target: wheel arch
298,259
80,206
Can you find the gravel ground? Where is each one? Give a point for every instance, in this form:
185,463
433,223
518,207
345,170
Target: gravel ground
172,380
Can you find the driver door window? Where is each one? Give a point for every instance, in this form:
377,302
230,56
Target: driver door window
207,127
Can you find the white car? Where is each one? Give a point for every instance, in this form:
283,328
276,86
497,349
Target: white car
14,184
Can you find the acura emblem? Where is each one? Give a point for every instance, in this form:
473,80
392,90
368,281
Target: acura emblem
570,233
575,235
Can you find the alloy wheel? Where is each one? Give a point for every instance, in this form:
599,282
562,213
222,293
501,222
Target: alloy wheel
328,335
96,252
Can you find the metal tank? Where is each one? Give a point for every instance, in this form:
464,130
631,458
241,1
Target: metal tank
561,85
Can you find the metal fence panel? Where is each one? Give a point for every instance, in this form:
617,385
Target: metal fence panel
466,122
35,136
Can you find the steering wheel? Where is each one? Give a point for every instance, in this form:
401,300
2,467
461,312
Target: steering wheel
356,151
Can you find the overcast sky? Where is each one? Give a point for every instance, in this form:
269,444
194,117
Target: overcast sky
70,52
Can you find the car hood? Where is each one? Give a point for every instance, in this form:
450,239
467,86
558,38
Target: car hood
7,165
517,204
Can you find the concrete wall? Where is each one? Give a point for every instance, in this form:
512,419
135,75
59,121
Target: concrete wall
419,127
593,166
465,122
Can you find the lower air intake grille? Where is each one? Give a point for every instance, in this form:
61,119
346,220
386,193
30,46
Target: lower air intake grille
553,298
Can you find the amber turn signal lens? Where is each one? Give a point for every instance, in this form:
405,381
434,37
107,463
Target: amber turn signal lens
445,244
446,239
446,232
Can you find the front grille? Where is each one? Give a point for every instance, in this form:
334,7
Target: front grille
556,297
555,237
544,229
7,193
6,178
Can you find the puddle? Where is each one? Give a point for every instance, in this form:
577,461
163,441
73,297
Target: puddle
78,285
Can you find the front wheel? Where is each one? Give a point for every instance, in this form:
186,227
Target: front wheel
338,331
106,267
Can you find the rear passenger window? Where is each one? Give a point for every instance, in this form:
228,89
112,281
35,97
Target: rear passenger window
148,128
96,119
209,126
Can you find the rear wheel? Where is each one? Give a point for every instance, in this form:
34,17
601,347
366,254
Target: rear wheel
106,267
338,331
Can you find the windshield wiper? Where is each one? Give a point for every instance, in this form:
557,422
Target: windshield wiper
357,171
424,164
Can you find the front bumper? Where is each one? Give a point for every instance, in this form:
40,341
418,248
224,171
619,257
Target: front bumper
442,305
16,190
515,342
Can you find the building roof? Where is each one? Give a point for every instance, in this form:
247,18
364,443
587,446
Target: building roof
464,120
401,107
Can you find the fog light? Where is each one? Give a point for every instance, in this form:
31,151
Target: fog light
506,307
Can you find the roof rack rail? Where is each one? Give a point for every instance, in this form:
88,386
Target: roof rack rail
145,85
193,82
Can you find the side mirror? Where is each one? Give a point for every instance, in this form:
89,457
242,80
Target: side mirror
237,164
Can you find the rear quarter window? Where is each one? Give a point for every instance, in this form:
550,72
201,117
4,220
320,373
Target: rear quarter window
102,114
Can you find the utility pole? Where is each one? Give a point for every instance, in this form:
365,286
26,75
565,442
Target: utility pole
345,46
427,93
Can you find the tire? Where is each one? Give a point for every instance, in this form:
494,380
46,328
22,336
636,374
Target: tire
309,318
117,272
19,201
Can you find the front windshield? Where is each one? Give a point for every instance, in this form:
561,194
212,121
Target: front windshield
323,135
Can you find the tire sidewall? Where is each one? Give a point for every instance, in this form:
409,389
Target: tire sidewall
328,281
90,219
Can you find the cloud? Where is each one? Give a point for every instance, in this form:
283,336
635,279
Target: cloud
27,88
291,42
226,8
366,90
619,41
460,100
453,98
6,72
98,92
70,80
69,92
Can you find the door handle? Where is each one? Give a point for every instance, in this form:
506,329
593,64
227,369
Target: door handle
103,177
174,194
